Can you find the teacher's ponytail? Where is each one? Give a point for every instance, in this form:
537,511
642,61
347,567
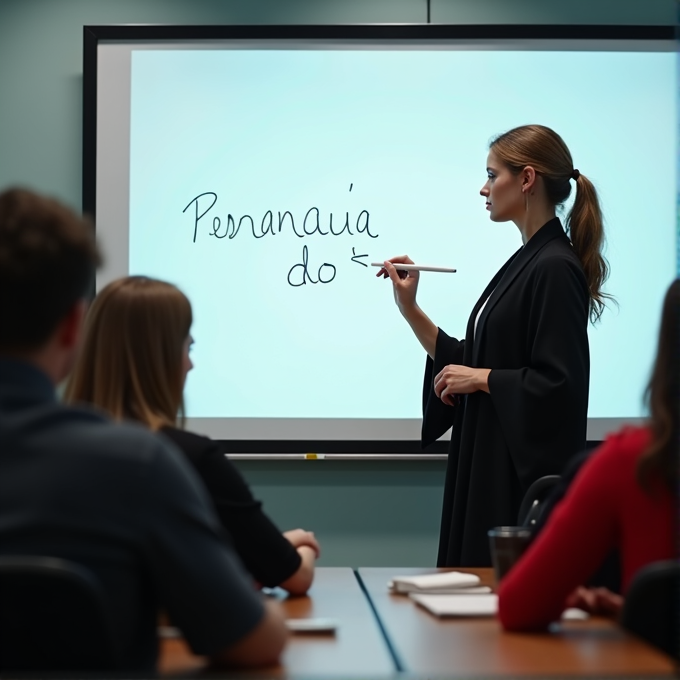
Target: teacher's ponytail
586,230
545,151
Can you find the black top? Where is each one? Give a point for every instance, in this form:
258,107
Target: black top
267,554
121,502
533,336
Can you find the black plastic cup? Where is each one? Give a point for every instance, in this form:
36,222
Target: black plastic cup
507,545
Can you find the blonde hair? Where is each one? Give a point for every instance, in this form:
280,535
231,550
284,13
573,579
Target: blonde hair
545,151
131,360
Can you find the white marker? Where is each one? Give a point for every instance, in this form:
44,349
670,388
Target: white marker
416,267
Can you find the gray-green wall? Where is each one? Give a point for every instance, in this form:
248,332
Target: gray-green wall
365,513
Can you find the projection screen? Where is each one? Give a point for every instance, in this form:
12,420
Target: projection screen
261,169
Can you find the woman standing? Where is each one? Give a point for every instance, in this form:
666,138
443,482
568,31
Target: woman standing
515,389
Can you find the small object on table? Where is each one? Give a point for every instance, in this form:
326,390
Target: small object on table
319,625
441,583
575,614
458,605
507,545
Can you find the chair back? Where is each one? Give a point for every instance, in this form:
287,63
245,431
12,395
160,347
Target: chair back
652,606
52,617
530,508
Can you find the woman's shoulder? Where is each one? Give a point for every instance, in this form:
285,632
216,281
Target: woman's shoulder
621,450
630,439
557,263
192,444
558,250
222,478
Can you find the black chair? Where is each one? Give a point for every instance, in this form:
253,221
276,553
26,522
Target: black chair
530,508
52,617
652,606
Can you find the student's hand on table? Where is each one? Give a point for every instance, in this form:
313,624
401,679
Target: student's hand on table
300,537
309,550
596,601
455,379
404,284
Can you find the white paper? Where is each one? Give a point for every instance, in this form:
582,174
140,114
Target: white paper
458,605
442,582
574,614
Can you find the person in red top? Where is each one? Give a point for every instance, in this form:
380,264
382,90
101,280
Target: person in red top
623,497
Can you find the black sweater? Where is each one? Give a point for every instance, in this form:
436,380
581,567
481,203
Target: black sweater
266,553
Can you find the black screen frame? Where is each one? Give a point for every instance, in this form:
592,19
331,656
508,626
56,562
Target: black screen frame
93,35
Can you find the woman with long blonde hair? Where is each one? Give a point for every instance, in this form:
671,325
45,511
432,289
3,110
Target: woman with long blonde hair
515,389
133,364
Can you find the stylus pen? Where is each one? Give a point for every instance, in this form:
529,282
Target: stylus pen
416,267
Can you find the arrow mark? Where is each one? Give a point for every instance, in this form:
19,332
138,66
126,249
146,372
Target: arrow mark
355,258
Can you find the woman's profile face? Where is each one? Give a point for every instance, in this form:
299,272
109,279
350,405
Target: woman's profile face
502,190
187,364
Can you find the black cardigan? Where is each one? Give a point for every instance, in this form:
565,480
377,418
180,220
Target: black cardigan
532,334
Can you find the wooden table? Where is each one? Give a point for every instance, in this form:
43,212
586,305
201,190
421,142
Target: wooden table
357,648
425,644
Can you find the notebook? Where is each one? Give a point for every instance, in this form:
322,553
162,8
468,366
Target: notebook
440,583
458,605
474,605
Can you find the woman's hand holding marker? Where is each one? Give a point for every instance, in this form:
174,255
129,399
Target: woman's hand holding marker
405,287
404,284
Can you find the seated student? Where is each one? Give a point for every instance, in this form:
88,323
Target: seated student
114,498
133,364
624,496
601,593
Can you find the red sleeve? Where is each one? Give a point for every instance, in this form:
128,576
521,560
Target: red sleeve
581,531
